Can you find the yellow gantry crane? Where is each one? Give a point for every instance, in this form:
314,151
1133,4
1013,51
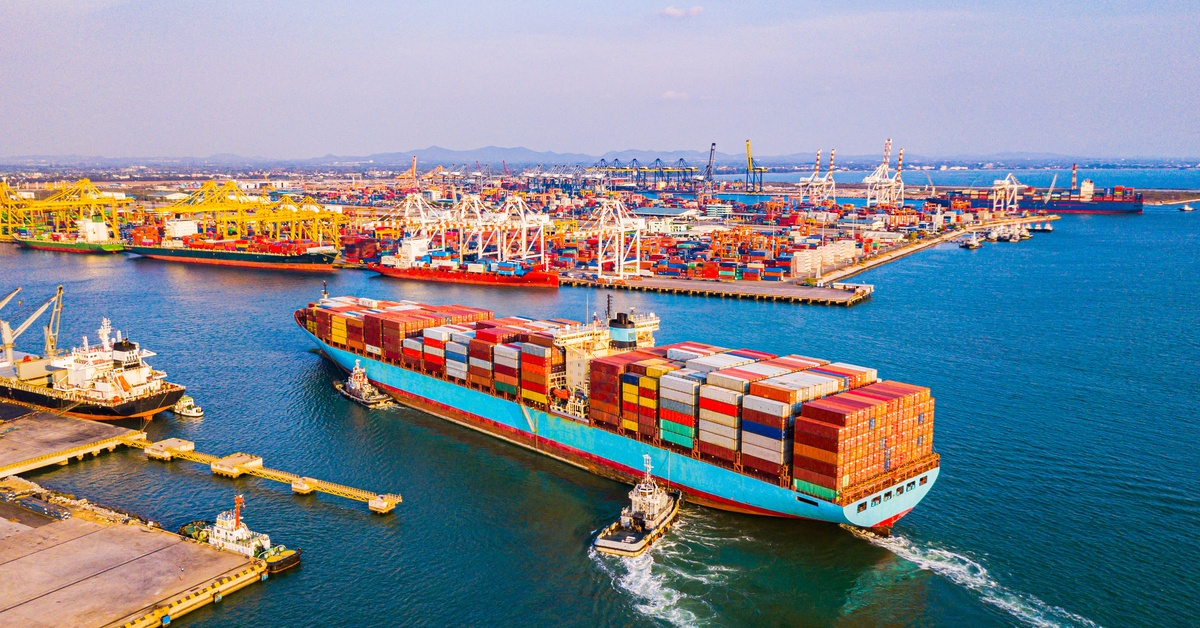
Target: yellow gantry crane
234,213
81,200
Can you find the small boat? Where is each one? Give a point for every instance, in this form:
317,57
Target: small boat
970,242
648,515
186,407
993,236
1187,208
359,389
1023,233
231,534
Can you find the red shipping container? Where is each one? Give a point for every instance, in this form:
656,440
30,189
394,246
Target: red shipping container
676,417
727,409
816,466
766,466
717,451
815,478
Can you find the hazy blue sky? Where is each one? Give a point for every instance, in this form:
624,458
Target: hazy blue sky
301,79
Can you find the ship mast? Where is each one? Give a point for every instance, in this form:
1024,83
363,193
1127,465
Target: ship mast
237,511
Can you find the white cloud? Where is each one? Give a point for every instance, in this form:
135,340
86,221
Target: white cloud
671,94
673,11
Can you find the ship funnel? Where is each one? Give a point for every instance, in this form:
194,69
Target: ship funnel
622,332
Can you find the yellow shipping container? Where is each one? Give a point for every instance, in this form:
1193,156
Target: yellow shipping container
629,425
631,398
647,382
533,396
647,403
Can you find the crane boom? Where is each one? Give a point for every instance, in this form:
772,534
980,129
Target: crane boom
9,298
10,335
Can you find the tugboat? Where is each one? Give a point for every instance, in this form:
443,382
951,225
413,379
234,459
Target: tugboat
359,389
1187,208
970,242
186,407
230,533
106,381
649,514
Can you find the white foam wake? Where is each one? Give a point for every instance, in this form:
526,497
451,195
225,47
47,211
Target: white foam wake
970,574
648,578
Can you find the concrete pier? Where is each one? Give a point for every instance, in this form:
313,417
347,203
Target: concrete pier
780,291
34,439
89,571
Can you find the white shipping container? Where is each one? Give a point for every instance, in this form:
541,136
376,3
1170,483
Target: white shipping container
717,428
681,397
477,362
507,361
766,406
717,417
437,333
770,444
674,382
765,454
718,440
463,336
413,343
724,395
507,351
441,353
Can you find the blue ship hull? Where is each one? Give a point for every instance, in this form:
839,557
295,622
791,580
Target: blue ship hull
610,455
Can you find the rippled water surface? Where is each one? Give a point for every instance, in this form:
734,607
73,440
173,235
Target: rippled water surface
1065,369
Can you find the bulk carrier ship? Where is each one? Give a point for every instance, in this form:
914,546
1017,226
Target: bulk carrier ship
108,381
738,430
180,242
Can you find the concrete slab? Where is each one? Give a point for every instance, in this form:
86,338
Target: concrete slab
39,434
80,573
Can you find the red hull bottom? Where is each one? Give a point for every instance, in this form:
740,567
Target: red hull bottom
56,249
575,457
535,279
311,268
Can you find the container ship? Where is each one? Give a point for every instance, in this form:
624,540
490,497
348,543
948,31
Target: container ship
413,260
91,236
181,242
735,429
107,381
1085,199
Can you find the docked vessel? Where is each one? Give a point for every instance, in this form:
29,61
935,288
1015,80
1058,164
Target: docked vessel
107,381
415,262
231,534
971,242
358,389
181,243
739,430
648,516
1085,199
90,236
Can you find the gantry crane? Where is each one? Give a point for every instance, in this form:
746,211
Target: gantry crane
754,173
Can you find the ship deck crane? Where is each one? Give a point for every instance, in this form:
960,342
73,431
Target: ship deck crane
9,335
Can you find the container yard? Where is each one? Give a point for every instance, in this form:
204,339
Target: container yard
731,428
652,228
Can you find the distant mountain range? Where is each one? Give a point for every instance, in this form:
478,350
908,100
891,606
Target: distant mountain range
521,157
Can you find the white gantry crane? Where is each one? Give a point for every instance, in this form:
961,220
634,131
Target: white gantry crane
1006,194
818,188
512,231
884,188
618,236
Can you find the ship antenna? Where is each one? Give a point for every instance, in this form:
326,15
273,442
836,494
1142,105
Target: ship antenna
324,289
646,459
237,511
608,313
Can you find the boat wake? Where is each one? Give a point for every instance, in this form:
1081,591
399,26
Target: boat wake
655,579
970,574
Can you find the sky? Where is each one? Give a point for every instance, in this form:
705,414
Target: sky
298,79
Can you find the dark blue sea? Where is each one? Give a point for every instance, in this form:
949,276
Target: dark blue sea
1065,371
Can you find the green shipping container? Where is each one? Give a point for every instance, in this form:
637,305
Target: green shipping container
502,387
813,489
671,437
675,428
